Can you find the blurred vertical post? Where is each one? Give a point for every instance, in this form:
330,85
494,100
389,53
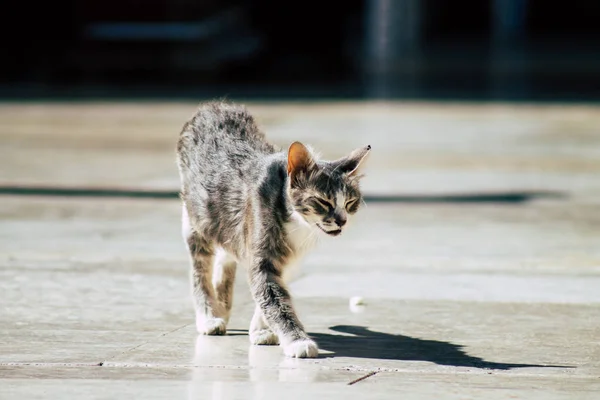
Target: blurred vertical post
393,40
508,68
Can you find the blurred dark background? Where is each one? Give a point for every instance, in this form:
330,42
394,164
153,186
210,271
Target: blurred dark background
455,49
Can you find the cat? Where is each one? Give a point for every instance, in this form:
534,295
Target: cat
246,202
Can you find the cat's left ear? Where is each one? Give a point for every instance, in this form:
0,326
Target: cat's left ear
353,164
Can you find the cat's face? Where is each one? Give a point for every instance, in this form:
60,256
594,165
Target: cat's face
325,193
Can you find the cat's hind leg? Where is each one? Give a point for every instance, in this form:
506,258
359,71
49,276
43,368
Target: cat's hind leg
260,333
210,314
223,278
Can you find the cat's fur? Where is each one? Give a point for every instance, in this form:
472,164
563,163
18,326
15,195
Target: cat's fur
246,202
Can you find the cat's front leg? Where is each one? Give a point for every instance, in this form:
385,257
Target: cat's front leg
273,299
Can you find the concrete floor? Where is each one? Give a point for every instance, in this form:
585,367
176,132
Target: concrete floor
480,271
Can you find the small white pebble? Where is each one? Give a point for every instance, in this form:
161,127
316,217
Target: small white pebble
357,304
357,301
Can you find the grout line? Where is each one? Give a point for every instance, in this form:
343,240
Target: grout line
49,365
143,344
370,373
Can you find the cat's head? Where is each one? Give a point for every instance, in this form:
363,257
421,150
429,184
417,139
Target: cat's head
325,193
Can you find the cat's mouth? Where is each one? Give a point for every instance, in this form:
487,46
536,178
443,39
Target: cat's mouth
334,232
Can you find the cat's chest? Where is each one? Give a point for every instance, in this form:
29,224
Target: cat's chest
301,235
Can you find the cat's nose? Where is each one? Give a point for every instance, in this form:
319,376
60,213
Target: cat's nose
341,221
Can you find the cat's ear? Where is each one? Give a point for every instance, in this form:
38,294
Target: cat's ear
353,164
299,159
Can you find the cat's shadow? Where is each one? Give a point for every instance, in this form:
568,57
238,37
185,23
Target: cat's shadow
360,342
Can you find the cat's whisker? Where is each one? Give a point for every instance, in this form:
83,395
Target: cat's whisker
316,236
312,236
306,239
296,229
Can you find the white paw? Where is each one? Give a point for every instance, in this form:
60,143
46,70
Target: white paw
264,337
211,326
304,348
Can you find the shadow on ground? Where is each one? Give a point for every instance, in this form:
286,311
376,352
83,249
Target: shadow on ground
491,197
498,197
365,343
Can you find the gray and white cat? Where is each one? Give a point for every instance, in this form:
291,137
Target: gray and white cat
246,202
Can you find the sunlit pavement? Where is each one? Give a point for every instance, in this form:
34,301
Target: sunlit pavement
477,255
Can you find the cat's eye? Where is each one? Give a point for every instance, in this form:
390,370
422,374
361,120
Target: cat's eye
351,203
323,203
